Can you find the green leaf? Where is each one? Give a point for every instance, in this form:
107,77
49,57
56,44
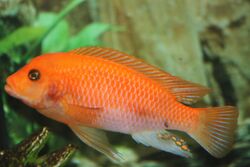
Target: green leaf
57,39
89,35
21,36
15,56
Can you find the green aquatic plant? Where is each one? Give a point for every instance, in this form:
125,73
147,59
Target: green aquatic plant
26,153
17,38
50,32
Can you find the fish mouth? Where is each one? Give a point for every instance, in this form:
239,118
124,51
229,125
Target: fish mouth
10,90
12,93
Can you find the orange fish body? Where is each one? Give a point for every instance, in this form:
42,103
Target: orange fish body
91,88
122,99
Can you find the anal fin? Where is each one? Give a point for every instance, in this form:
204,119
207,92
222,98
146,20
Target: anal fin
163,140
98,140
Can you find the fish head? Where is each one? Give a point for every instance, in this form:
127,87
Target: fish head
30,84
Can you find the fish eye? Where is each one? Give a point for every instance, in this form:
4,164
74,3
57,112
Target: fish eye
34,75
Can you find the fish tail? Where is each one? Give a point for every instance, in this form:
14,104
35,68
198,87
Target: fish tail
216,129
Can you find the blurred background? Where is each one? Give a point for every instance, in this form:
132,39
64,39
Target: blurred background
202,41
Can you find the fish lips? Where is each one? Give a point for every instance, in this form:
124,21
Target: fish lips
10,91
13,93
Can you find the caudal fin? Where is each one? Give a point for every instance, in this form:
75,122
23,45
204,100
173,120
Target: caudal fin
216,129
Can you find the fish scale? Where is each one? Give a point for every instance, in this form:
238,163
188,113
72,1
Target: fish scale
93,88
127,93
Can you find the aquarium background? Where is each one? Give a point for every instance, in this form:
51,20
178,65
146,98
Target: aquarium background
202,41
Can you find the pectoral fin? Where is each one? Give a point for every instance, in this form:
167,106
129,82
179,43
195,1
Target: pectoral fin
98,140
163,140
79,113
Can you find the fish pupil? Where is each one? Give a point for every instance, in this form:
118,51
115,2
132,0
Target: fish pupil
34,75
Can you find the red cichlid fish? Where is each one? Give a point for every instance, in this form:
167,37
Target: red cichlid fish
93,88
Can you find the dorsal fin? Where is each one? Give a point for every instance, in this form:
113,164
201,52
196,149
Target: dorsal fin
185,92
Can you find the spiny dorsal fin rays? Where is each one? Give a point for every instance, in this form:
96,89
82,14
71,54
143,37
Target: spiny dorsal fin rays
184,91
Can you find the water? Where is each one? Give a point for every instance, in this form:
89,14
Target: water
203,42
